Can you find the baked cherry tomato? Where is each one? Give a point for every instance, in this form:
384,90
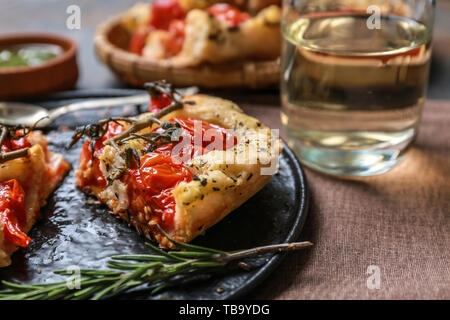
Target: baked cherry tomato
15,144
197,138
176,30
86,154
153,183
158,103
160,171
138,39
12,213
163,12
225,12
165,15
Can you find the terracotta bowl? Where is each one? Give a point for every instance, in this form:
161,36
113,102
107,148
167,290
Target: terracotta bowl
111,43
59,73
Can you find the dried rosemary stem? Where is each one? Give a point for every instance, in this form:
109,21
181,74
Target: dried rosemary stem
6,156
145,123
159,271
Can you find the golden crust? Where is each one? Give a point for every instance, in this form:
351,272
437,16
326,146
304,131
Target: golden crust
209,40
137,16
225,179
31,173
140,14
251,6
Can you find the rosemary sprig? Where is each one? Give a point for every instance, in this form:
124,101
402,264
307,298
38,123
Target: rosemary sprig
96,131
156,88
158,271
170,132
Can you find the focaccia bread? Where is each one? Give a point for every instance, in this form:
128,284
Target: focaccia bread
25,184
251,6
191,33
202,189
208,39
141,13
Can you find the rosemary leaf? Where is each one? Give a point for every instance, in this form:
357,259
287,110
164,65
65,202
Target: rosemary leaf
165,269
142,257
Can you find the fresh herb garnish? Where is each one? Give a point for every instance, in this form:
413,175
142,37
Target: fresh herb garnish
170,132
157,271
13,133
96,131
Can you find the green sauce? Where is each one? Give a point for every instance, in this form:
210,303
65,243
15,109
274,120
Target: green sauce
30,55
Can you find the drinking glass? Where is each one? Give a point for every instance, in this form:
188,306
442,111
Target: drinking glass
353,81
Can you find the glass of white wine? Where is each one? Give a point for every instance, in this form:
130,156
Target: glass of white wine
354,76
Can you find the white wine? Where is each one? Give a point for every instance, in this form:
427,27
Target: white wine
352,96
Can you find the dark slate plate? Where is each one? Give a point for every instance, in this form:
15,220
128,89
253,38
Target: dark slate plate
75,231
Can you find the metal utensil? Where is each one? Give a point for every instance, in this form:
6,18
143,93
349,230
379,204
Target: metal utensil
14,113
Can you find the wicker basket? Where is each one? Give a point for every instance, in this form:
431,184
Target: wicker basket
111,41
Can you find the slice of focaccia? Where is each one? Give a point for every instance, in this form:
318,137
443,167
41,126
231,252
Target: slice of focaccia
142,13
25,183
189,33
210,39
183,173
245,5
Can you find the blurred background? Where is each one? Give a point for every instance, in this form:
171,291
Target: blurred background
50,15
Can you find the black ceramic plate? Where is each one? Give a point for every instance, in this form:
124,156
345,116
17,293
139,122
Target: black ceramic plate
75,231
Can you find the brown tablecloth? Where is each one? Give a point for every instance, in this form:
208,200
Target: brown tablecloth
398,221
